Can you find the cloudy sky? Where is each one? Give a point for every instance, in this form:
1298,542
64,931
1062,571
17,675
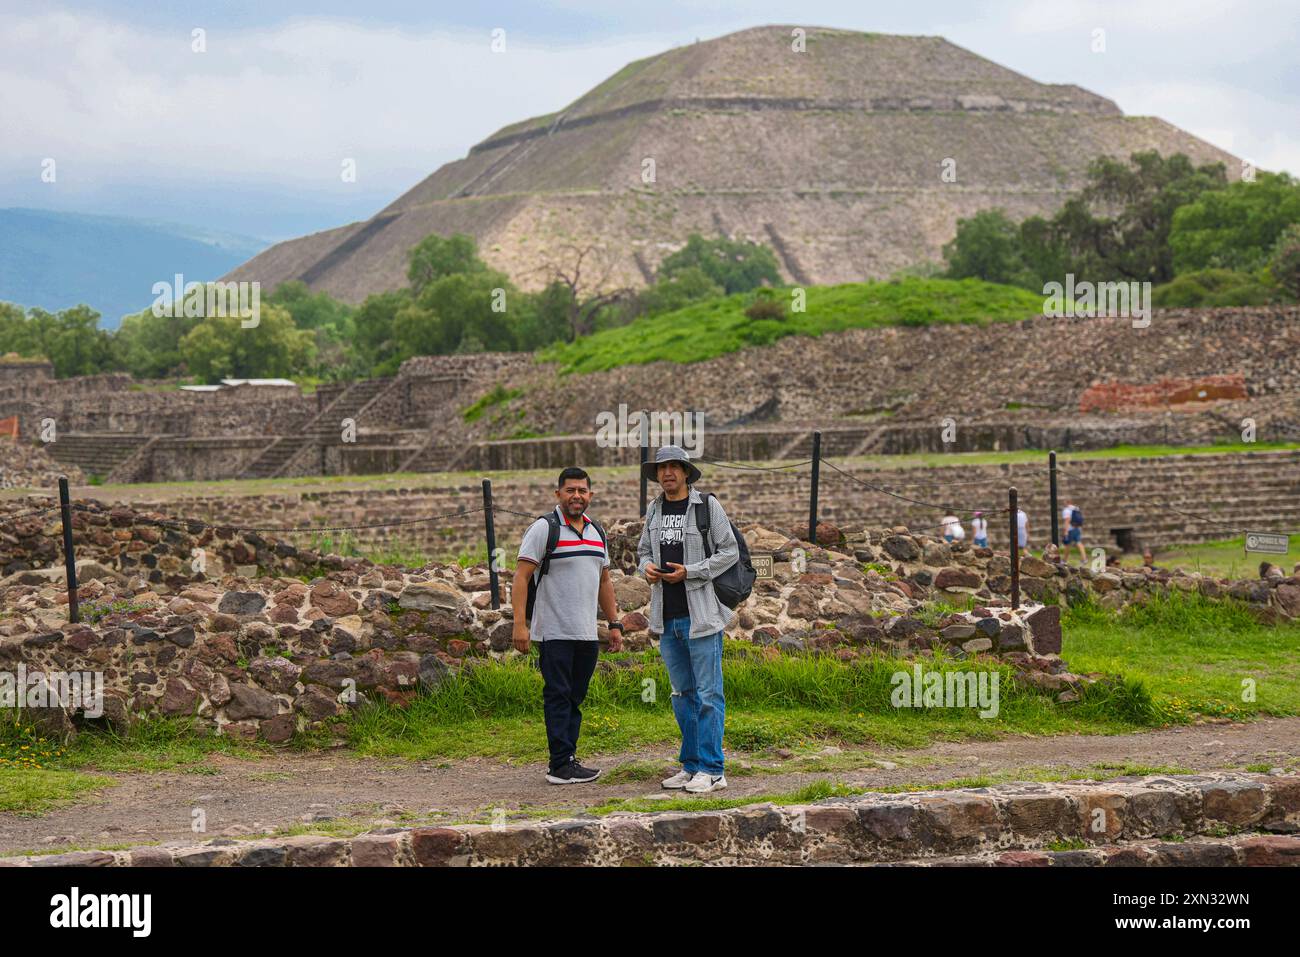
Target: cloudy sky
249,135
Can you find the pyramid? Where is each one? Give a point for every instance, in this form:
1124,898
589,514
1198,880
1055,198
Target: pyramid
834,156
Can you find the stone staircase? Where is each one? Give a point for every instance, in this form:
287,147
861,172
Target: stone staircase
433,457
96,454
326,428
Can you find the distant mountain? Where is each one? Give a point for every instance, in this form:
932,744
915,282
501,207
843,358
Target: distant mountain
55,260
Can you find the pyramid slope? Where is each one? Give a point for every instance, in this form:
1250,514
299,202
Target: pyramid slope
833,157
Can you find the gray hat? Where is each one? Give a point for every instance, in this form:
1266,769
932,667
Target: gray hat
670,453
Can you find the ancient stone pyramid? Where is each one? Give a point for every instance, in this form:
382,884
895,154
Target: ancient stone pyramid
833,156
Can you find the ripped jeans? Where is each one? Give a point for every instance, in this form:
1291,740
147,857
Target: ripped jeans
695,669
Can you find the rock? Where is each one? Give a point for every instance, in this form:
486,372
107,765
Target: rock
241,603
961,631
178,697
989,627
1045,626
790,644
631,593
977,645
901,547
1287,596
316,704
276,673
250,701
332,598
432,596
1035,567
1011,636
279,729
433,672
956,577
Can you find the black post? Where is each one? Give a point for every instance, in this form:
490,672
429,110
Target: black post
812,505
493,584
69,560
1056,515
1015,550
645,457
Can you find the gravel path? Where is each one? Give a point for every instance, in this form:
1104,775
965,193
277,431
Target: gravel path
242,797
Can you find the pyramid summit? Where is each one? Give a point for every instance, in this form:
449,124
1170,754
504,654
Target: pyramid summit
835,156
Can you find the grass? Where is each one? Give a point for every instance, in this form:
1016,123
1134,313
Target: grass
1195,655
782,701
31,792
1223,559
717,327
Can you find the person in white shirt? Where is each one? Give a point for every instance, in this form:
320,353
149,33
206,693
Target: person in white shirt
979,530
1022,528
1072,519
952,530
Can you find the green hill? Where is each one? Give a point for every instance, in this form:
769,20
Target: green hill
707,329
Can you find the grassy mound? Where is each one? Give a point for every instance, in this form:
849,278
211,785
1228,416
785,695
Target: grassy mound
716,327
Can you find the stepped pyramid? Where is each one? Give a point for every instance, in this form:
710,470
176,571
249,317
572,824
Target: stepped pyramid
832,156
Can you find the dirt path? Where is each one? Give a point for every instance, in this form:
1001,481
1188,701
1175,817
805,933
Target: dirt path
243,797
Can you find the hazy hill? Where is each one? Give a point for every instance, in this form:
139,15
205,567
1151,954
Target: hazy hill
55,260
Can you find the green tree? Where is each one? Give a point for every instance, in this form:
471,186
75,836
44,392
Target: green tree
1237,227
686,285
221,347
436,257
1285,265
311,310
986,246
735,265
375,344
150,346
461,312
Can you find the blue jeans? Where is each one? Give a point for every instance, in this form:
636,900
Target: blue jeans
695,669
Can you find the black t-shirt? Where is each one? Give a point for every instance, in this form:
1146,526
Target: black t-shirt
672,548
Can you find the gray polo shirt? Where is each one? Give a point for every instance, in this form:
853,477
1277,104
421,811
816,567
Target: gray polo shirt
568,598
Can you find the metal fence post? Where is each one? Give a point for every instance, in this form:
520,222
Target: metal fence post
69,559
816,471
493,583
1015,549
1056,515
645,457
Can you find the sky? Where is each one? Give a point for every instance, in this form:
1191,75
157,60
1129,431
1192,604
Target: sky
249,134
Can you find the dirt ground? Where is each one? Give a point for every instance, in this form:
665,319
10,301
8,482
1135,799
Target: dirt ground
340,791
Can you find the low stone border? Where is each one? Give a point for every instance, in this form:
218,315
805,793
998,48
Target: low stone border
1009,825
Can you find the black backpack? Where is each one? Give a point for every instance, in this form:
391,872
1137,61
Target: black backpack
735,584
1076,517
552,539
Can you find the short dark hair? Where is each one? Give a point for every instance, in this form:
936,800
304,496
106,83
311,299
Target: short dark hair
573,472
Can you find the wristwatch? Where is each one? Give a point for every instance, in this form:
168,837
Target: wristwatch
614,625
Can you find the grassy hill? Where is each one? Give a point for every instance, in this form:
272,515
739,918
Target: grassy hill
719,326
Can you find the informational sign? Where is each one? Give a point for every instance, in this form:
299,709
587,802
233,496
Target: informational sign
1270,542
762,565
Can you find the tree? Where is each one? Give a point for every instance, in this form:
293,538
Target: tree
735,265
987,246
150,346
585,274
1285,266
221,347
686,285
311,310
435,257
1237,227
453,312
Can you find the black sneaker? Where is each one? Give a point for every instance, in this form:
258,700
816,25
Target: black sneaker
572,773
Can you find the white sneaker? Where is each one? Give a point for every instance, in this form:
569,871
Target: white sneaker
703,783
678,780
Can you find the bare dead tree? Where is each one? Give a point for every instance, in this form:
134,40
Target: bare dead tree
585,272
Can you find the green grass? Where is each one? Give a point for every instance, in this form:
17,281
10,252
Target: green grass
717,327
816,791
31,791
1193,654
789,701
1222,559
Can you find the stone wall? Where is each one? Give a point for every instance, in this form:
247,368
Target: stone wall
1146,822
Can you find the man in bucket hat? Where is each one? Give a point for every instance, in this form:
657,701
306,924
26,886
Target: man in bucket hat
685,612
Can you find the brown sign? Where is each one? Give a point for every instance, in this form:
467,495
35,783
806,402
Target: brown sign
762,565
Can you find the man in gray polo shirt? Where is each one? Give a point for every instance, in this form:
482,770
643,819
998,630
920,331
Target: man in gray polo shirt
575,582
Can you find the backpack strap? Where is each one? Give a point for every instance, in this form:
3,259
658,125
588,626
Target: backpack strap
702,522
552,539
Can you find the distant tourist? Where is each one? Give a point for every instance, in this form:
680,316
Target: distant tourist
564,563
1072,516
686,613
952,530
1022,528
979,530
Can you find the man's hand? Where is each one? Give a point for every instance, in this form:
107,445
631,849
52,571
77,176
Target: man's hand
521,637
615,639
651,575
677,574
